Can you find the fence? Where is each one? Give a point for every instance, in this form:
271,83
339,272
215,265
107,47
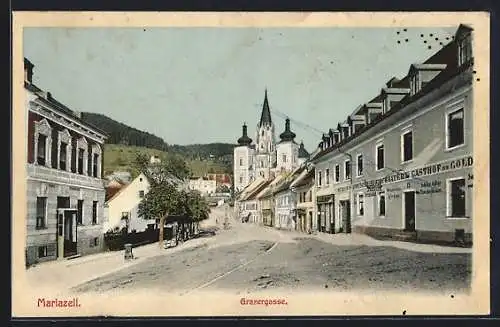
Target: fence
117,241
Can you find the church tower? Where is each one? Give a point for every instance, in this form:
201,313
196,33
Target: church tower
265,151
243,161
287,150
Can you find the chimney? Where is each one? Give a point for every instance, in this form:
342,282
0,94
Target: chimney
28,71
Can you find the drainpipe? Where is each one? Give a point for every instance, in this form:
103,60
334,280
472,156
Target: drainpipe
351,191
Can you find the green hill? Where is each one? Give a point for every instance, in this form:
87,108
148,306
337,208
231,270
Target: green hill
124,142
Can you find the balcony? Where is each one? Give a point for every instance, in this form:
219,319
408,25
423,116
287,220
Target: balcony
61,176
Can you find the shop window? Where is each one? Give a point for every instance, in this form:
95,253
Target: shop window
42,251
407,146
456,198
455,128
380,156
41,212
381,204
360,165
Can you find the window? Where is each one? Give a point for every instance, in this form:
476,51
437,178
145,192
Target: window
465,50
284,158
94,165
360,165
94,213
380,156
241,161
327,177
81,155
415,83
455,129
79,214
63,155
42,251
141,193
41,212
361,204
456,198
407,146
261,163
125,215
319,178
337,173
347,170
42,150
381,204
241,179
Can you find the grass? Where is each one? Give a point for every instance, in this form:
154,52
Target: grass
121,158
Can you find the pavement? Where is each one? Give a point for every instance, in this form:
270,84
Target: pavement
248,258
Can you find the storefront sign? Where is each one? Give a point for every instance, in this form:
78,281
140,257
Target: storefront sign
429,170
324,199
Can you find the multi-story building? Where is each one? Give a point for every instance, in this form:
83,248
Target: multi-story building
285,201
401,164
64,179
264,157
304,190
204,185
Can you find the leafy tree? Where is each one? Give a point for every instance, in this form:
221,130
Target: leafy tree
162,200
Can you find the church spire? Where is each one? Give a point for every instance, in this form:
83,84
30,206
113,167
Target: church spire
265,117
287,135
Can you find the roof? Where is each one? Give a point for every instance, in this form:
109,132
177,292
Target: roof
257,190
305,178
265,117
268,191
122,189
47,99
447,55
249,188
111,192
285,184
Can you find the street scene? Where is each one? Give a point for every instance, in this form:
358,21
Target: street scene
191,171
247,259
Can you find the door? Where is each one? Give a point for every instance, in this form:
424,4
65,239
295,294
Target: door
409,211
66,233
345,208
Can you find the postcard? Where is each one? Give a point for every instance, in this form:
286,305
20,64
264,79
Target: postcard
250,164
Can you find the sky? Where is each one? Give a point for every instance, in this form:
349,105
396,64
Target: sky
199,85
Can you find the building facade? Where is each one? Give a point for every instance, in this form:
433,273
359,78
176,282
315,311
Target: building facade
410,149
304,190
64,179
204,185
122,207
263,157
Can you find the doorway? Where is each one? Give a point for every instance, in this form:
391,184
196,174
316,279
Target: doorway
67,232
345,216
409,211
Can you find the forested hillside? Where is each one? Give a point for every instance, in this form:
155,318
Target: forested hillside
125,141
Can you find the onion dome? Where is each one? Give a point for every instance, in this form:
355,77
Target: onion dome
287,135
244,139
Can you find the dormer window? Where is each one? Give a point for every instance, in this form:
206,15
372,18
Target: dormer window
415,83
465,49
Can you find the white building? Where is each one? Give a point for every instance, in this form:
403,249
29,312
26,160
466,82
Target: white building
122,208
203,185
265,157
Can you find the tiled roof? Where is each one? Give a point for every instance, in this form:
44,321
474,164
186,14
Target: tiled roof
447,55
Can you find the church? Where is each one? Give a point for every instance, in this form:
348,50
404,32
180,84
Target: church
264,157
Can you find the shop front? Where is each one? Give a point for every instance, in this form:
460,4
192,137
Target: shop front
326,217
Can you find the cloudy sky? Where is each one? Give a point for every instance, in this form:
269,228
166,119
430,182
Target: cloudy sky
198,85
